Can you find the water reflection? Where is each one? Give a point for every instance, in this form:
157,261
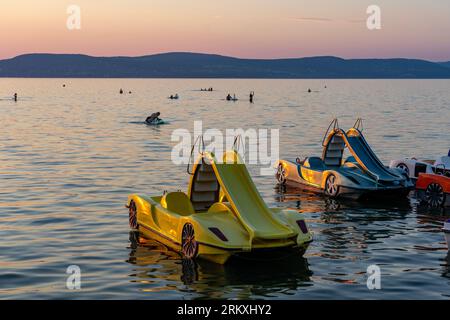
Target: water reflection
350,230
238,278
446,266
309,201
347,233
431,221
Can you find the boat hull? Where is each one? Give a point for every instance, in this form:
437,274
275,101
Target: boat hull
314,181
355,193
221,255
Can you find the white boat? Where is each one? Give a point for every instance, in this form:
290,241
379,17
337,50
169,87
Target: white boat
413,166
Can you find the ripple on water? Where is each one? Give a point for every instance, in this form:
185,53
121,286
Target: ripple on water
68,162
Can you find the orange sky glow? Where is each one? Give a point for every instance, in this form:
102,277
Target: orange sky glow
249,28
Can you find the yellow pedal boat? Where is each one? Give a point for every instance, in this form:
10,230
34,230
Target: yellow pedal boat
222,215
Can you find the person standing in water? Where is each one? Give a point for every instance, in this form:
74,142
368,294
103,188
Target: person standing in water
15,97
121,91
252,94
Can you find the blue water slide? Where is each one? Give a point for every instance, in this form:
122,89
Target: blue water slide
364,155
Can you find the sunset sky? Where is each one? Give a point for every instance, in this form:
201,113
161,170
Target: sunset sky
244,28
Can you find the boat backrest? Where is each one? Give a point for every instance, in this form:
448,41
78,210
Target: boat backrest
177,202
205,187
443,161
333,150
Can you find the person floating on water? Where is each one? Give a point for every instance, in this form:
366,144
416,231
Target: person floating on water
309,90
121,91
229,97
153,117
252,94
15,97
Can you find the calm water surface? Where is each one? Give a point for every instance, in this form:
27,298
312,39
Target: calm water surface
70,156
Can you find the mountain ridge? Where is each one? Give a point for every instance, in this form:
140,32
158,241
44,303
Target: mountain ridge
204,65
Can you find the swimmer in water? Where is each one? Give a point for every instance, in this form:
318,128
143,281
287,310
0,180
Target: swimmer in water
153,117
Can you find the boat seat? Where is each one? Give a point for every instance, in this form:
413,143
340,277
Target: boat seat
177,202
205,187
220,207
315,163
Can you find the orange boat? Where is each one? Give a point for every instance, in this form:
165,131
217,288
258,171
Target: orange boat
434,189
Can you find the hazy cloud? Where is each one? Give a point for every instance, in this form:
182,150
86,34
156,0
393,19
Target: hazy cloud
322,19
315,19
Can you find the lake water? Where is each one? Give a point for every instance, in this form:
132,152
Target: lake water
69,157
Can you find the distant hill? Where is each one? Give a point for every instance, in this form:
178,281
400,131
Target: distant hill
196,65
